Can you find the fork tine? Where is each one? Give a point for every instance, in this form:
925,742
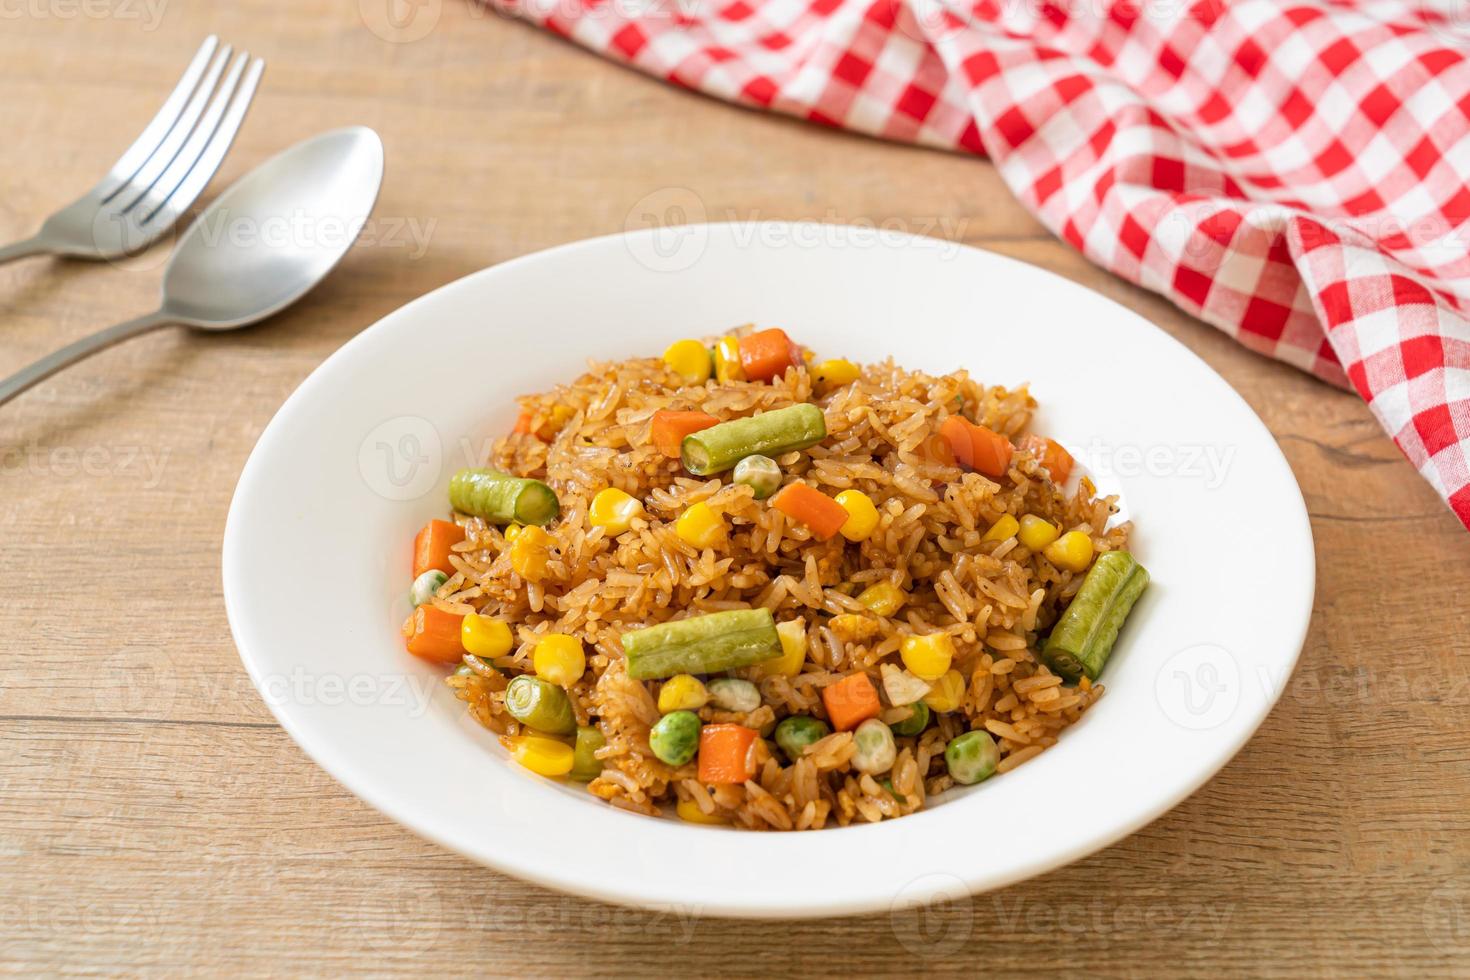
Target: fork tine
134,156
161,157
152,199
199,174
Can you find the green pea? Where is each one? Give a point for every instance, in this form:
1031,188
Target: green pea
585,765
540,705
914,723
794,734
760,473
675,738
875,749
425,586
971,757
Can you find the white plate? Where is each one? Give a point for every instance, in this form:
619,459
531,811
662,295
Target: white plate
316,556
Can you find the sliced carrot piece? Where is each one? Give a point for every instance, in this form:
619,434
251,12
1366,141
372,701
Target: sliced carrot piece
724,753
809,506
435,635
851,701
669,429
767,354
992,451
523,424
431,546
977,448
955,431
1058,461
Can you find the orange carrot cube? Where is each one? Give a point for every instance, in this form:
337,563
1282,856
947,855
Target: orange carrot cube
851,701
431,547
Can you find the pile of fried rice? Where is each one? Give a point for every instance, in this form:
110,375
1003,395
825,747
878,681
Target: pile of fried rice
994,598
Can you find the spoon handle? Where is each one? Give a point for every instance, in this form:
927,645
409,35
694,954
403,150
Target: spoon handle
75,351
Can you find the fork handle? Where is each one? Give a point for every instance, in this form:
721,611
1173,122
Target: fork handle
34,245
75,351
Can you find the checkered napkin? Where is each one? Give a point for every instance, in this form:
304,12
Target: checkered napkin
1292,171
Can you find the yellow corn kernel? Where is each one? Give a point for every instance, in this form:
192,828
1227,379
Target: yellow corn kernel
854,627
884,598
1037,532
1002,529
727,360
835,373
486,638
793,651
947,693
529,553
689,811
544,756
862,516
682,692
1072,551
558,658
511,532
614,511
690,360
561,415
700,526
927,656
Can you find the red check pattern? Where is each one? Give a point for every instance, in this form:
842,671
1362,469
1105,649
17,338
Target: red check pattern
1293,172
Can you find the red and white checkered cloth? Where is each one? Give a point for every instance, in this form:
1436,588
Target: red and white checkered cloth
1292,171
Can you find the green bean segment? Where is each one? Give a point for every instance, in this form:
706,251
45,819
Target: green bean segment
720,447
541,705
702,644
586,766
1084,635
675,739
502,499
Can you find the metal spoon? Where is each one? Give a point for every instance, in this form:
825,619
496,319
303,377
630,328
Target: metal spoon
261,246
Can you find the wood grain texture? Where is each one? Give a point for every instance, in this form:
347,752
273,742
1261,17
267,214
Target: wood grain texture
154,817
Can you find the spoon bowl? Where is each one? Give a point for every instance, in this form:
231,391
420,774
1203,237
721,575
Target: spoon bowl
261,246
276,233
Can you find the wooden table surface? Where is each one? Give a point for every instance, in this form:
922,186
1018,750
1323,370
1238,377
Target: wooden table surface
155,817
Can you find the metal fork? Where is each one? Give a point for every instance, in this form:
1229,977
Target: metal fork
165,170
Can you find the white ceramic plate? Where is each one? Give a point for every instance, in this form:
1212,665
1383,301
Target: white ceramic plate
316,556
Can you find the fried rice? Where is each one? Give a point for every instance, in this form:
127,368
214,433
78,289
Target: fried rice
995,598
